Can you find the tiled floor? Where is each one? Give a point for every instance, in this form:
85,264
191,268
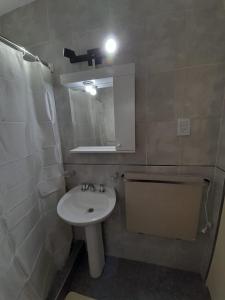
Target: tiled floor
128,280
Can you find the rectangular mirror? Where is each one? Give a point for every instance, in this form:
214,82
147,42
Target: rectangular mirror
93,116
102,109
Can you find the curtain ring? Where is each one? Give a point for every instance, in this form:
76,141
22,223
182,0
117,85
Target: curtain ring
23,51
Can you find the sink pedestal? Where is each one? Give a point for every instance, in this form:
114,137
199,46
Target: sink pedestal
95,249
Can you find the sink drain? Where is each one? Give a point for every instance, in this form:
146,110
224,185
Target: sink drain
90,210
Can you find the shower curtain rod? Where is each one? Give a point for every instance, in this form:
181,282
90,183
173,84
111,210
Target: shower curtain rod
31,56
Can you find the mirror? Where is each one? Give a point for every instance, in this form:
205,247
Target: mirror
102,109
93,116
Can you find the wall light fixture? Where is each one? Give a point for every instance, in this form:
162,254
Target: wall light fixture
93,56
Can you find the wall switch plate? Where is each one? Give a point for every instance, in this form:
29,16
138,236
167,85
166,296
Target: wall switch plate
183,127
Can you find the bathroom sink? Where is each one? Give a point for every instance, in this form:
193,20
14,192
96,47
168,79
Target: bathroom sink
88,209
85,208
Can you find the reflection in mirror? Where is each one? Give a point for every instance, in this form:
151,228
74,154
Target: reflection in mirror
102,104
92,109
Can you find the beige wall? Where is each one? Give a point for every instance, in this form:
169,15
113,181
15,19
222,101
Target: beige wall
179,51
178,48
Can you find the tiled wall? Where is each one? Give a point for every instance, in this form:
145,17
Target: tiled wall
178,47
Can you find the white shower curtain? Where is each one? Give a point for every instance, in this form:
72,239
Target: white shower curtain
34,243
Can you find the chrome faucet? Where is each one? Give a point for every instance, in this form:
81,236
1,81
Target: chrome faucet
91,187
84,187
101,188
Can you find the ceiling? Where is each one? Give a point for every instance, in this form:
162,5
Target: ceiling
9,5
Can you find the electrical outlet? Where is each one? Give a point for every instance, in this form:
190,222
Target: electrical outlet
183,127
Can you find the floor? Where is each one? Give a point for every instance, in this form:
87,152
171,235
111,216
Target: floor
129,280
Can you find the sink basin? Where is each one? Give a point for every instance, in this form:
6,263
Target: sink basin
89,209
84,208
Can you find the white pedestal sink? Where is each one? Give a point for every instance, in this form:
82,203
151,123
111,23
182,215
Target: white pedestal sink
89,209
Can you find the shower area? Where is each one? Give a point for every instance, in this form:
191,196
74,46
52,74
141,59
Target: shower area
34,242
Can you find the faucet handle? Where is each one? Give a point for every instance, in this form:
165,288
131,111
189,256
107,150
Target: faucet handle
84,187
91,187
101,188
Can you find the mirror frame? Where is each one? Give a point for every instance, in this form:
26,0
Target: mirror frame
124,105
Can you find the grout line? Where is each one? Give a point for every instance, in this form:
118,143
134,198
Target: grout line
48,21
137,165
219,168
186,67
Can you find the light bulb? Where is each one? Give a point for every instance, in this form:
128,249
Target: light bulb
111,46
88,88
93,91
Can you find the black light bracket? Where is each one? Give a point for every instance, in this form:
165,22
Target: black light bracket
93,56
